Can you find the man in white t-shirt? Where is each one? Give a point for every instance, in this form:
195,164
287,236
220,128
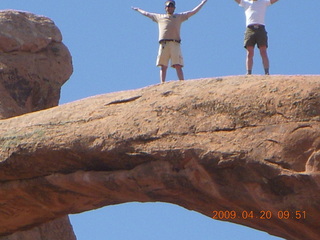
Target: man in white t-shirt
169,36
255,11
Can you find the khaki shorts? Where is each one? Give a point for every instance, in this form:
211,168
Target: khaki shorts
255,36
169,50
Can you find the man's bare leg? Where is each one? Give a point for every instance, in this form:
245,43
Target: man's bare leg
249,60
179,71
265,59
163,73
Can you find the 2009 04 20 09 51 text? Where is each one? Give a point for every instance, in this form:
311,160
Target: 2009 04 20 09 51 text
263,215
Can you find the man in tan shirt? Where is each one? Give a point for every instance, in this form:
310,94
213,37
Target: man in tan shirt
169,36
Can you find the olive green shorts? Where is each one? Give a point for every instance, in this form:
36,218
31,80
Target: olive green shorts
256,34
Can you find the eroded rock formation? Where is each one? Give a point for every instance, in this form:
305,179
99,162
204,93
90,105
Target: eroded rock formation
242,143
34,63
58,229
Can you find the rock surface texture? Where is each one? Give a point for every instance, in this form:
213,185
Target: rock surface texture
243,144
58,229
34,63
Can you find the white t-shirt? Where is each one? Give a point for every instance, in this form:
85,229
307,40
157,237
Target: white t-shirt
255,11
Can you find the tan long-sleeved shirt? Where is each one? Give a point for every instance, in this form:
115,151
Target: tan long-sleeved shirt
170,24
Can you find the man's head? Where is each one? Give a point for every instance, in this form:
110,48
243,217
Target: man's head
170,6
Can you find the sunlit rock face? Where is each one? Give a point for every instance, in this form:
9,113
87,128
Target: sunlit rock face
245,146
34,64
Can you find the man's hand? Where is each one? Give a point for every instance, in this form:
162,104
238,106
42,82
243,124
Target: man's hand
135,8
203,2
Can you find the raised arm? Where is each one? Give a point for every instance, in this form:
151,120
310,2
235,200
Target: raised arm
196,9
143,12
271,1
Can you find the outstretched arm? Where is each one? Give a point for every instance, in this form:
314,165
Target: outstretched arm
140,10
271,1
196,9
145,13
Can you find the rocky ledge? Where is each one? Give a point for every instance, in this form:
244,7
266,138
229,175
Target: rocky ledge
34,63
239,144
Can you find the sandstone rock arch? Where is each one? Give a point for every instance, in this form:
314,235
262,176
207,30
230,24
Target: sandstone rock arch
234,143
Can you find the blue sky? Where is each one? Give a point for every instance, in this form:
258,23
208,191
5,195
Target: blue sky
114,48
